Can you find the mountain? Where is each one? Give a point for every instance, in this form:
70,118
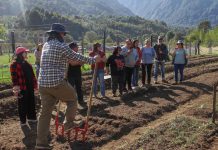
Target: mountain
175,12
66,7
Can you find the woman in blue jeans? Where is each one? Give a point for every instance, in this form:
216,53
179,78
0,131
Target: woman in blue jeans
100,69
179,61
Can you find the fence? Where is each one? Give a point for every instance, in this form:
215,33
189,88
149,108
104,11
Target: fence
214,102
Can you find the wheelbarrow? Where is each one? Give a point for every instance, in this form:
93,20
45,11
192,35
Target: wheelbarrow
77,131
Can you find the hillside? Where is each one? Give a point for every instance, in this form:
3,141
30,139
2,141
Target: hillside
118,28
66,7
183,13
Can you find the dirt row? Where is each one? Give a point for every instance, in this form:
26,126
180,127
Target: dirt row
188,127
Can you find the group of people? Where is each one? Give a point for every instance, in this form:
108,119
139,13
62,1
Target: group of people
58,67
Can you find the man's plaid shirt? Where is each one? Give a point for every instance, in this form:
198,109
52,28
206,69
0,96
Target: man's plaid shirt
54,62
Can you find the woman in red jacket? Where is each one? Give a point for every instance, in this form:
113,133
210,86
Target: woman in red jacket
24,84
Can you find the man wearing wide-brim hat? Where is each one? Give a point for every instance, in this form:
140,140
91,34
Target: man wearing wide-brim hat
52,85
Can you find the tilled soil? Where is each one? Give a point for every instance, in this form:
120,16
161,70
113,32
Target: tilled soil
115,117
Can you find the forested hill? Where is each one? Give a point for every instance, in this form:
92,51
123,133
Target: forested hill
66,7
175,12
117,27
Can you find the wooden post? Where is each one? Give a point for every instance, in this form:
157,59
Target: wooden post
151,41
82,44
214,103
104,41
13,41
190,50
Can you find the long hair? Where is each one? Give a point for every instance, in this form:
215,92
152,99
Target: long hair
19,58
55,35
40,44
134,43
116,49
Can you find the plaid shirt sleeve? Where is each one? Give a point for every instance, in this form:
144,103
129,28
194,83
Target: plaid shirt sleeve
67,52
13,71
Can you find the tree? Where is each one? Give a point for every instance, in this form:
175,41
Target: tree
204,26
91,36
109,39
3,32
170,35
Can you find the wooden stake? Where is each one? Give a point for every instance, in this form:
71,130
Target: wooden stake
214,103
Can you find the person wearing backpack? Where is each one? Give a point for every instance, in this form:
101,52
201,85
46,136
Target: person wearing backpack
161,56
179,61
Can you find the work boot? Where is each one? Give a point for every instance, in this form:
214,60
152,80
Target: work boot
32,124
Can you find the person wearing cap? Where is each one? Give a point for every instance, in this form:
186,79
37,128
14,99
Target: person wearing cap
74,75
24,85
38,53
161,56
52,84
148,54
179,61
100,69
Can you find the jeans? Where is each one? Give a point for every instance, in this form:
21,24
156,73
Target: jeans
76,82
37,70
178,68
146,73
128,77
117,80
135,76
100,78
49,97
156,68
